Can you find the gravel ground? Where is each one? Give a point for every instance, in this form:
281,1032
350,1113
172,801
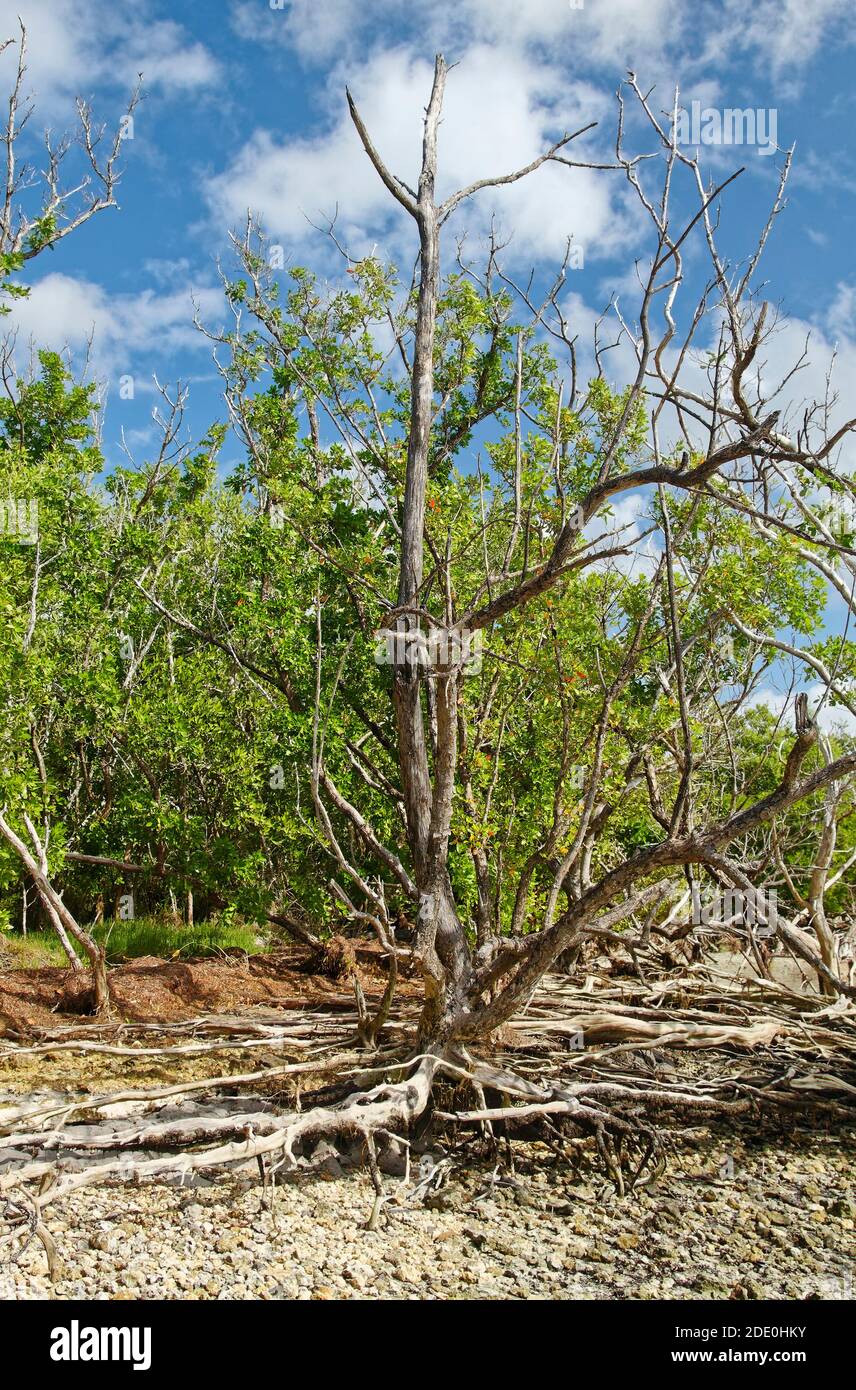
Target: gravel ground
754,1218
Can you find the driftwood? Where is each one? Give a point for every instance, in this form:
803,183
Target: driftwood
602,1060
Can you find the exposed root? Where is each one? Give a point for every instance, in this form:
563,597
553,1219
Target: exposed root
570,1067
20,1215
387,1106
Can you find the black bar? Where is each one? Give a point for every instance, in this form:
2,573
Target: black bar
234,1340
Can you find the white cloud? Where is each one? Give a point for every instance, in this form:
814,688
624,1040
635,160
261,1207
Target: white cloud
651,35
317,29
502,109
779,702
657,37
831,719
841,314
525,71
166,57
583,320
787,32
625,526
72,51
829,343
601,31
286,182
801,362
61,312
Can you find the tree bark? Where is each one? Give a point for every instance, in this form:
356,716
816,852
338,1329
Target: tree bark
62,919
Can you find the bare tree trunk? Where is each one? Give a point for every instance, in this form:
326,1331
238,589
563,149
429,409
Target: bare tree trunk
64,923
56,922
819,875
441,940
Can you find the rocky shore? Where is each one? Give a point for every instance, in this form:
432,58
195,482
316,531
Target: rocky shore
751,1218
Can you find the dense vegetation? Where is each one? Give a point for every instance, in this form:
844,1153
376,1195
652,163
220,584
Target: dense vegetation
203,715
159,709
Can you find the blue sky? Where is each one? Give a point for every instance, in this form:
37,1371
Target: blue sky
245,106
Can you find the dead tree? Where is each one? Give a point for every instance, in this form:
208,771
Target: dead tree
477,976
35,862
457,979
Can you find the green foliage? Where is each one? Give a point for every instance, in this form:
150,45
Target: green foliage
143,936
158,936
160,685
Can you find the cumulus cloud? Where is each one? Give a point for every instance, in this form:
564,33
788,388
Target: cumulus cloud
124,329
655,36
830,720
627,526
167,58
608,32
827,346
802,361
502,109
317,29
525,73
788,33
605,31
72,52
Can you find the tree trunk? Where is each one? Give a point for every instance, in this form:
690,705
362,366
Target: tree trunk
441,940
62,919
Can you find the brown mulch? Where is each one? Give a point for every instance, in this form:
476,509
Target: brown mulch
150,990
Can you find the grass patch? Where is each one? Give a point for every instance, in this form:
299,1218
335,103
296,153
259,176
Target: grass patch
142,936
31,952
154,936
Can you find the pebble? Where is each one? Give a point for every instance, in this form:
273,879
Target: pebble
767,1233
